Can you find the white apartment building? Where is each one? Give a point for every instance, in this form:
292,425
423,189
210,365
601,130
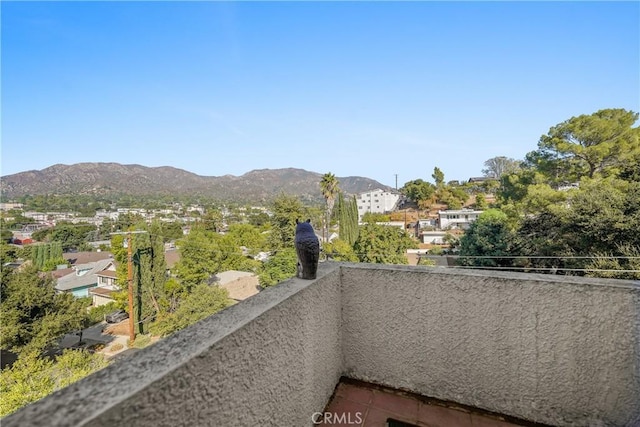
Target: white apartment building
457,218
376,201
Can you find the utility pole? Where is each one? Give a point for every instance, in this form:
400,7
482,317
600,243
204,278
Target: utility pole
132,333
396,182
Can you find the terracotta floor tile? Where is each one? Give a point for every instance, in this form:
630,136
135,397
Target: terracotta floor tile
376,417
482,421
404,406
357,394
440,416
343,412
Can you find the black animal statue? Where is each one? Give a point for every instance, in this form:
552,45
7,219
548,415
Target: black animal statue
308,250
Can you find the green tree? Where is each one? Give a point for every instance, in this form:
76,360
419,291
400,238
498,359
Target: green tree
329,187
202,302
419,191
212,220
438,176
286,209
199,257
249,236
348,219
34,316
496,167
5,234
280,266
481,202
487,239
339,250
383,244
588,145
149,277
31,378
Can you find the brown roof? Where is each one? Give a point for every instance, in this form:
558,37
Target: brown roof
107,273
86,257
101,291
62,272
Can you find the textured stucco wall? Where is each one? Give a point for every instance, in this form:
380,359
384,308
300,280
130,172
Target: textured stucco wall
273,359
558,350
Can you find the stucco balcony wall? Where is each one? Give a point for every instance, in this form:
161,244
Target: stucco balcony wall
557,350
552,349
273,359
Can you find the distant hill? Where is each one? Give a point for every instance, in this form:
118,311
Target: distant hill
114,178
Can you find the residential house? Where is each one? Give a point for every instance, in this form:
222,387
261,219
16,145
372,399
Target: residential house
88,276
433,237
457,218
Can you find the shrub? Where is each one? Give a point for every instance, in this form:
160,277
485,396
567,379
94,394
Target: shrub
116,347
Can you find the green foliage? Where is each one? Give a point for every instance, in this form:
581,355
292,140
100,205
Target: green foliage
496,167
199,257
339,250
212,220
383,244
280,266
453,198
419,191
8,253
623,263
329,188
34,315
601,143
514,186
5,234
438,176
373,217
481,202
286,209
203,301
599,218
96,314
248,236
141,341
348,217
489,236
428,262
149,277
31,378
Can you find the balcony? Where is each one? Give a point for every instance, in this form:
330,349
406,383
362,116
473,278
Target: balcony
547,349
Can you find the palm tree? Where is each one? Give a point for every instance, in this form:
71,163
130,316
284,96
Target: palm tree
329,188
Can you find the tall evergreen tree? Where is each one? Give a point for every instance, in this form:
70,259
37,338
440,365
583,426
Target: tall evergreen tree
348,216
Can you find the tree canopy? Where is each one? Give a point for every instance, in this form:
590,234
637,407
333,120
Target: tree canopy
602,143
34,315
495,167
383,244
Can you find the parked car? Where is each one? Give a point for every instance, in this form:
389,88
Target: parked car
116,316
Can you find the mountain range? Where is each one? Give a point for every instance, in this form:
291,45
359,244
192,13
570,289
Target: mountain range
136,180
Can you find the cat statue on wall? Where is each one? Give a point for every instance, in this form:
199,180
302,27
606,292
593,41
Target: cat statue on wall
307,249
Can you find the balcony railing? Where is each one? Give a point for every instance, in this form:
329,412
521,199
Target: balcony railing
551,349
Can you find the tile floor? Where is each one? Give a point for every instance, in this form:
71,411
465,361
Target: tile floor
367,405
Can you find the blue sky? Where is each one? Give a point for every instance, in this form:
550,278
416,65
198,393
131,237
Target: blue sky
355,88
